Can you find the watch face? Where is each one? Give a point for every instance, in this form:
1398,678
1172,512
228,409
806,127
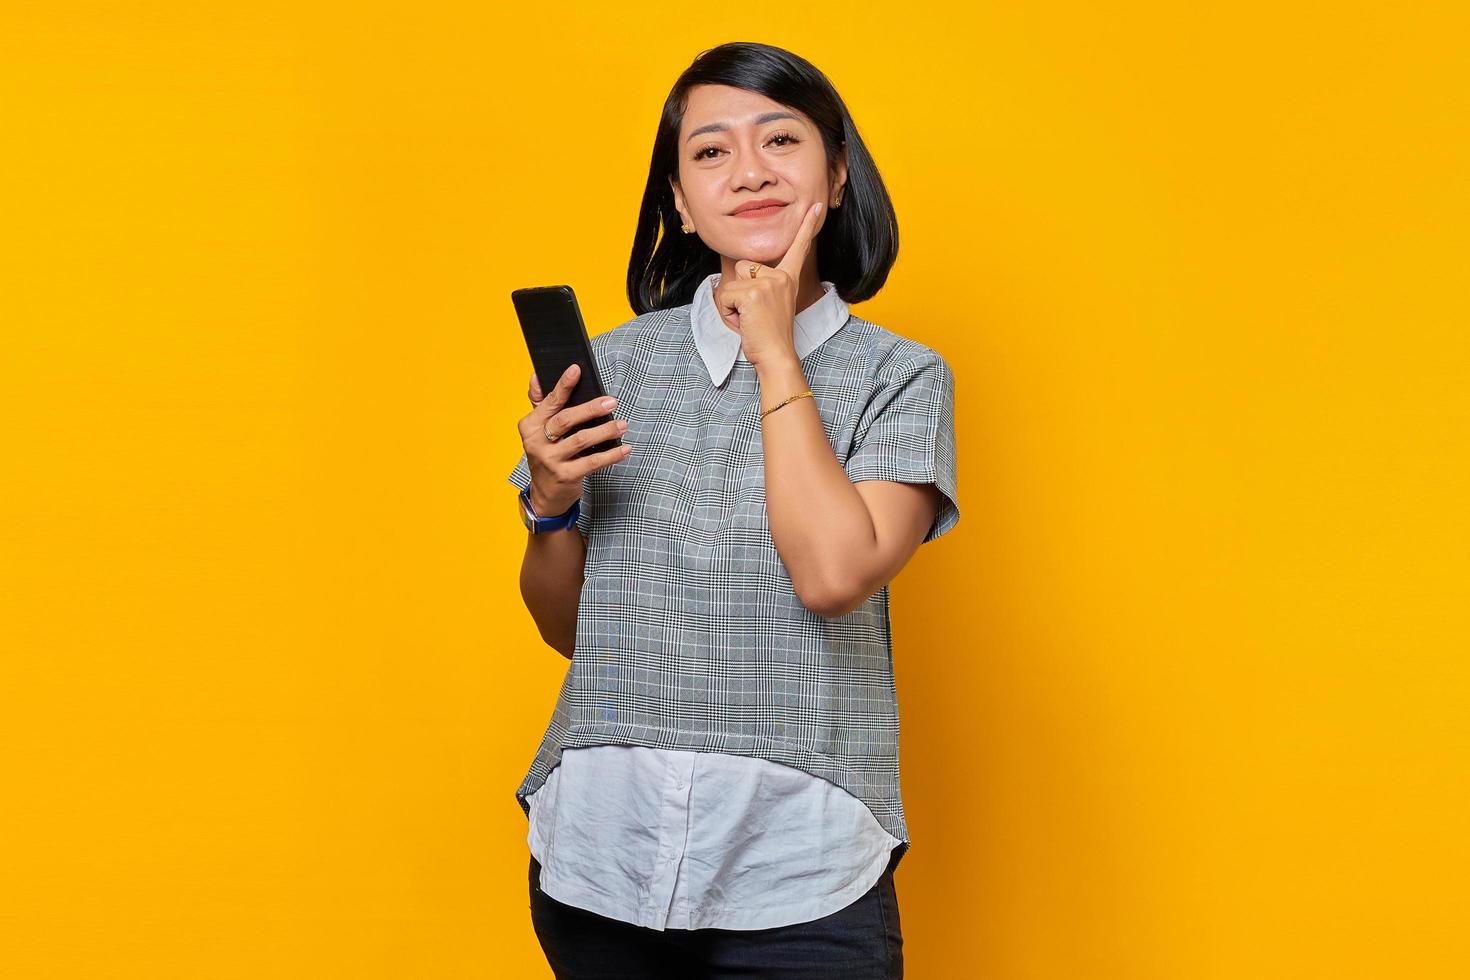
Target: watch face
523,508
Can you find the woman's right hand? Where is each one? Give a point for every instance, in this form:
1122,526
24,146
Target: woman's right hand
556,478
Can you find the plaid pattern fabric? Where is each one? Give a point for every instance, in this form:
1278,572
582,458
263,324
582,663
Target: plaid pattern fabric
689,632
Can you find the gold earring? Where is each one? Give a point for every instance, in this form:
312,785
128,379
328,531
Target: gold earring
686,228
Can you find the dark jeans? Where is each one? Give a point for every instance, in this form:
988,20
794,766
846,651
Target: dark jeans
860,942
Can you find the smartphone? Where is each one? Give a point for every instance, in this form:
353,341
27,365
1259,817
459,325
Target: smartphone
556,338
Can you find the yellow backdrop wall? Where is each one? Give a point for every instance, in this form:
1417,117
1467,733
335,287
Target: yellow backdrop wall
1184,695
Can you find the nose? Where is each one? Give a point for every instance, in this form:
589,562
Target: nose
752,175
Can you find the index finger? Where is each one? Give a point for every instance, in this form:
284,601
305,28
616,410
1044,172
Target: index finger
795,256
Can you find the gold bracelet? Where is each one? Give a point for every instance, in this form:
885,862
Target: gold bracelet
804,394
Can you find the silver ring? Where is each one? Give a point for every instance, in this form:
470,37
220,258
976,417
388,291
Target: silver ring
549,436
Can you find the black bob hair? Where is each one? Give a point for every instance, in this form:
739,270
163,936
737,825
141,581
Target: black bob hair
857,245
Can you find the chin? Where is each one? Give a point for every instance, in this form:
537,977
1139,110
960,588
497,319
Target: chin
759,248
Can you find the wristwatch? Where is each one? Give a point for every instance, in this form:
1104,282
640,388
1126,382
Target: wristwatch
537,525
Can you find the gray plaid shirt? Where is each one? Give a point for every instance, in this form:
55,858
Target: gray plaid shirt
689,632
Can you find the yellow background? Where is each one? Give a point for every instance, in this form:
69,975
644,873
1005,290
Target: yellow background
1183,696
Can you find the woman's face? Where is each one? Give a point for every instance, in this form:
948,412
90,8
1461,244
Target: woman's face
737,146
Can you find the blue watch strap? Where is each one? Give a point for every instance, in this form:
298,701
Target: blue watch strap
557,523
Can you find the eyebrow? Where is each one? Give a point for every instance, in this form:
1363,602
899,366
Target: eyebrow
760,120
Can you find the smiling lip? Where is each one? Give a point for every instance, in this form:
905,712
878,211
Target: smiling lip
761,212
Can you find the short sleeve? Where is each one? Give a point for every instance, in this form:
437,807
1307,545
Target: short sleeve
906,434
521,475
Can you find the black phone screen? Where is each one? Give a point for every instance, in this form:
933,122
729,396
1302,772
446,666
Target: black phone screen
557,338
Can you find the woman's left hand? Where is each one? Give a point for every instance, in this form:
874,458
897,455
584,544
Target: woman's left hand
763,309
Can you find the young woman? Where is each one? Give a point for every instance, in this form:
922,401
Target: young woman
717,791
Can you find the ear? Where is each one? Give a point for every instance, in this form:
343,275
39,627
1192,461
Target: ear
679,199
839,175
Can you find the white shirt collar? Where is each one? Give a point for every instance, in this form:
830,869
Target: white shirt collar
719,345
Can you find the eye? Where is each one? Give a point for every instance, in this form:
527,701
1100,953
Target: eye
790,141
